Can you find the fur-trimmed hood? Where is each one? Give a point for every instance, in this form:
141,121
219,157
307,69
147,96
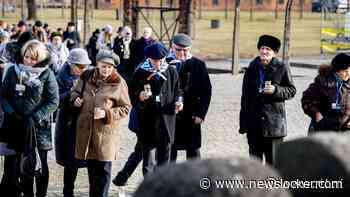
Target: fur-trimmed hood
325,70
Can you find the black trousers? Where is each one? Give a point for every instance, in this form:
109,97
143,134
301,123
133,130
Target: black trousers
133,160
10,179
41,181
190,154
69,176
99,173
158,153
260,146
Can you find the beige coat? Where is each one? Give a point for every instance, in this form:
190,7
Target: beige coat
100,139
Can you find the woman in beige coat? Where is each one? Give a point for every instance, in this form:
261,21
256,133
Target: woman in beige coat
102,98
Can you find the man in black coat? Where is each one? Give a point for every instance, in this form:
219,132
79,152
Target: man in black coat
154,93
71,35
267,84
196,86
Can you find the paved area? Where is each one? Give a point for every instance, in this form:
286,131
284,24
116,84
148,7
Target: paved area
220,133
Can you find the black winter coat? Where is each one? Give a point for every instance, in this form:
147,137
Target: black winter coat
65,133
196,86
150,111
321,95
266,113
127,66
38,102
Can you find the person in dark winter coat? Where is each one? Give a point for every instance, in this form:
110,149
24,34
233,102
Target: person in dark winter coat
124,47
135,157
91,47
196,86
78,61
155,90
141,44
30,93
267,83
12,52
326,101
71,34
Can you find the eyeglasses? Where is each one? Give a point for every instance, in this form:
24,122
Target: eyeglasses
80,66
181,49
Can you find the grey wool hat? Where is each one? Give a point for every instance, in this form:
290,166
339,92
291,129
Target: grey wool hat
78,56
182,40
108,56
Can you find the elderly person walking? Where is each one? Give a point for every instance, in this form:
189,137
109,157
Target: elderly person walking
196,86
155,92
58,50
77,62
267,83
326,101
103,102
30,92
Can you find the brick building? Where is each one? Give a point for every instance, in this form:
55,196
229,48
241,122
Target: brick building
260,5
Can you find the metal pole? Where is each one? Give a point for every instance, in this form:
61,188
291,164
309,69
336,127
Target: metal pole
226,9
235,43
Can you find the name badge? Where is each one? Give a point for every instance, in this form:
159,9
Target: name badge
336,106
158,99
20,88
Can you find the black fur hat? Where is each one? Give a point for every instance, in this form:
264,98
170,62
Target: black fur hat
269,41
341,61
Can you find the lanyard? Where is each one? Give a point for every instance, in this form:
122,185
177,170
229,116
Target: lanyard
339,85
261,78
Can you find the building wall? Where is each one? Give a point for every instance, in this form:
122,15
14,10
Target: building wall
267,5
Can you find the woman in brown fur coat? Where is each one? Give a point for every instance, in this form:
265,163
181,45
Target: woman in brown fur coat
326,100
103,99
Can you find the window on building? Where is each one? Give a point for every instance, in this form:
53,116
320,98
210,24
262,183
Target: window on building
280,1
259,2
216,2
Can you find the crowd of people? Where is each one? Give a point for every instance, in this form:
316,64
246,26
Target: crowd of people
47,77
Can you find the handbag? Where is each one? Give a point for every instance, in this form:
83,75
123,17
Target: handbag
133,124
30,162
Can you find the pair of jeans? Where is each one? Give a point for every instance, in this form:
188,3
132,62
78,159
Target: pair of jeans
99,173
10,179
260,146
190,154
133,160
41,181
69,176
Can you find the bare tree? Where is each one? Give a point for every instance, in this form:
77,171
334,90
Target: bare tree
32,14
251,7
185,21
235,40
74,11
287,32
126,12
301,5
88,6
3,8
276,9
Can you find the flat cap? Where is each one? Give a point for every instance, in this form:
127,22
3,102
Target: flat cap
108,57
182,40
78,56
156,51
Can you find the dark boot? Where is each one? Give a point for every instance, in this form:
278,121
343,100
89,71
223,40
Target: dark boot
120,179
